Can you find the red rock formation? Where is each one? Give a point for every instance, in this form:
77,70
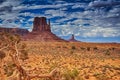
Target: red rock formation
41,31
40,24
72,39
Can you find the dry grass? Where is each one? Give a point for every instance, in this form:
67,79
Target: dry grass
75,61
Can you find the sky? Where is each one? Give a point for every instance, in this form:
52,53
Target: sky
88,20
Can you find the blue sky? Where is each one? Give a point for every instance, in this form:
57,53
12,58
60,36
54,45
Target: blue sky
88,20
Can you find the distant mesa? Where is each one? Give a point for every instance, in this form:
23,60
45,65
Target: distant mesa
18,31
72,39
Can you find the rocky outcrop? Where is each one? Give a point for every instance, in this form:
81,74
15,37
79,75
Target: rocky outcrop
72,39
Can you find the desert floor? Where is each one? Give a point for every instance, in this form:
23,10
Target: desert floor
74,60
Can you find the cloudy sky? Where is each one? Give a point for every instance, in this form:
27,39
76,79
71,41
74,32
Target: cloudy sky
88,20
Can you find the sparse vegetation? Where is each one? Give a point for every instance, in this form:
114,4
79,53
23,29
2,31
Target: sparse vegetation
75,61
9,46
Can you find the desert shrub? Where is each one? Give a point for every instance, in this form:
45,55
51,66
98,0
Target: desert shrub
71,75
9,68
2,55
86,76
24,55
116,68
64,47
75,72
23,52
88,48
106,66
95,48
53,66
82,48
96,74
71,52
113,48
23,46
107,52
73,47
58,47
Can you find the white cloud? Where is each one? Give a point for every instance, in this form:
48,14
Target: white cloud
55,13
7,16
54,6
10,3
101,32
93,31
20,7
79,5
